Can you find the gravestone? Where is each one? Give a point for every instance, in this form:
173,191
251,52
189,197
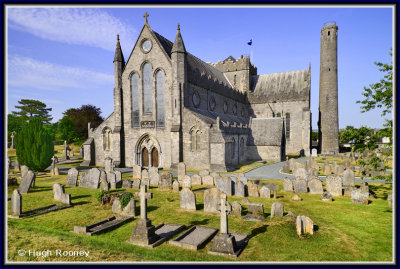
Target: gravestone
187,199
108,165
326,197
91,180
252,189
27,182
304,225
129,209
240,189
207,180
359,197
66,149
24,170
300,185
127,184
286,167
60,195
118,178
390,201
300,173
243,180
154,176
136,184
104,186
165,183
236,208
211,199
292,164
348,178
17,167
256,212
224,185
175,185
112,180
186,182
196,180
116,206
72,178
334,185
277,210
315,186
339,170
296,197
12,146
81,152
136,171
327,170
181,171
314,153
71,153
265,192
16,203
145,178
287,185
204,173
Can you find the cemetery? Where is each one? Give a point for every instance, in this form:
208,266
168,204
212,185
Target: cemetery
156,215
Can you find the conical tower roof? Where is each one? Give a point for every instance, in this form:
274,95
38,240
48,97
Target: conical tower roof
119,57
178,46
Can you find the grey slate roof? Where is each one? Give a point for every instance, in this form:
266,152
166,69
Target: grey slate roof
285,86
165,43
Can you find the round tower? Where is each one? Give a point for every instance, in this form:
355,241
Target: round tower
328,120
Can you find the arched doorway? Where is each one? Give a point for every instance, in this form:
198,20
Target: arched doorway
145,157
154,157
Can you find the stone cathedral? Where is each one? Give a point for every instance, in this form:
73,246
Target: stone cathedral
171,107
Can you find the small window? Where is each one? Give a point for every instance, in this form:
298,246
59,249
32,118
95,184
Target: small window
234,80
278,115
329,32
329,69
287,133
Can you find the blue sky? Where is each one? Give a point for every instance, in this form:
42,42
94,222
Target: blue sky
63,57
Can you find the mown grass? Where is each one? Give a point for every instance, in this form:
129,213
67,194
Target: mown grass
346,232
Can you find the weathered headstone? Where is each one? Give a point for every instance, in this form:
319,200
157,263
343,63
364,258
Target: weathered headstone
256,212
186,182
359,196
327,169
243,180
300,185
286,167
181,171
91,180
240,189
296,197
127,184
116,206
292,164
252,189
129,209
118,178
136,171
24,170
165,183
136,184
334,185
314,153
66,149
104,185
204,173
81,152
17,167
287,185
265,192
224,185
27,182
326,197
389,198
348,178
187,199
60,195
207,180
304,225
72,177
236,208
211,199
277,210
16,203
196,179
315,186
300,173
175,185
108,165
339,170
145,178
154,176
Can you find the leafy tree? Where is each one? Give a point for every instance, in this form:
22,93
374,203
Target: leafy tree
14,124
80,118
66,129
34,146
379,94
33,109
361,137
314,136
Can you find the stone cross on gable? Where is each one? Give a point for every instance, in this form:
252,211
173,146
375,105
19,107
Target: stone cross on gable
143,196
145,17
224,209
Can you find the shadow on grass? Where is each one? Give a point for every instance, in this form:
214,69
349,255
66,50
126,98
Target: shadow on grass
80,196
258,230
381,191
81,203
200,222
39,189
316,228
388,211
199,206
152,208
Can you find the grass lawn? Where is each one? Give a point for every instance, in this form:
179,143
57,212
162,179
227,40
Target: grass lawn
346,231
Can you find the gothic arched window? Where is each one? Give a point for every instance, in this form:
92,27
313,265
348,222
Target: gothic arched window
135,99
197,140
147,89
278,115
160,98
233,148
287,131
193,140
241,146
107,139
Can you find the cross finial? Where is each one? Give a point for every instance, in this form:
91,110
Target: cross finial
179,27
145,18
117,37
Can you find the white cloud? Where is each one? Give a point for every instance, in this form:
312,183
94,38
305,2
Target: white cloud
82,26
24,72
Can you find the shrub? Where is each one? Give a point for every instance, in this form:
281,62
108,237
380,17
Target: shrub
34,146
99,195
125,199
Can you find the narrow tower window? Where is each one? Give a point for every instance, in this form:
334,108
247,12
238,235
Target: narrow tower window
160,98
234,80
135,99
147,89
287,133
329,32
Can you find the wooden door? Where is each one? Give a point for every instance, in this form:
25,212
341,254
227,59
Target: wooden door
145,157
154,157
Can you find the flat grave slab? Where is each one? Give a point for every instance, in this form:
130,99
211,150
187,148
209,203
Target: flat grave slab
102,226
241,242
195,238
164,232
40,211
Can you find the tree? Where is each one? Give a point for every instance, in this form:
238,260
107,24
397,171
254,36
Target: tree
66,129
14,124
314,136
34,146
80,118
379,94
362,137
33,109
